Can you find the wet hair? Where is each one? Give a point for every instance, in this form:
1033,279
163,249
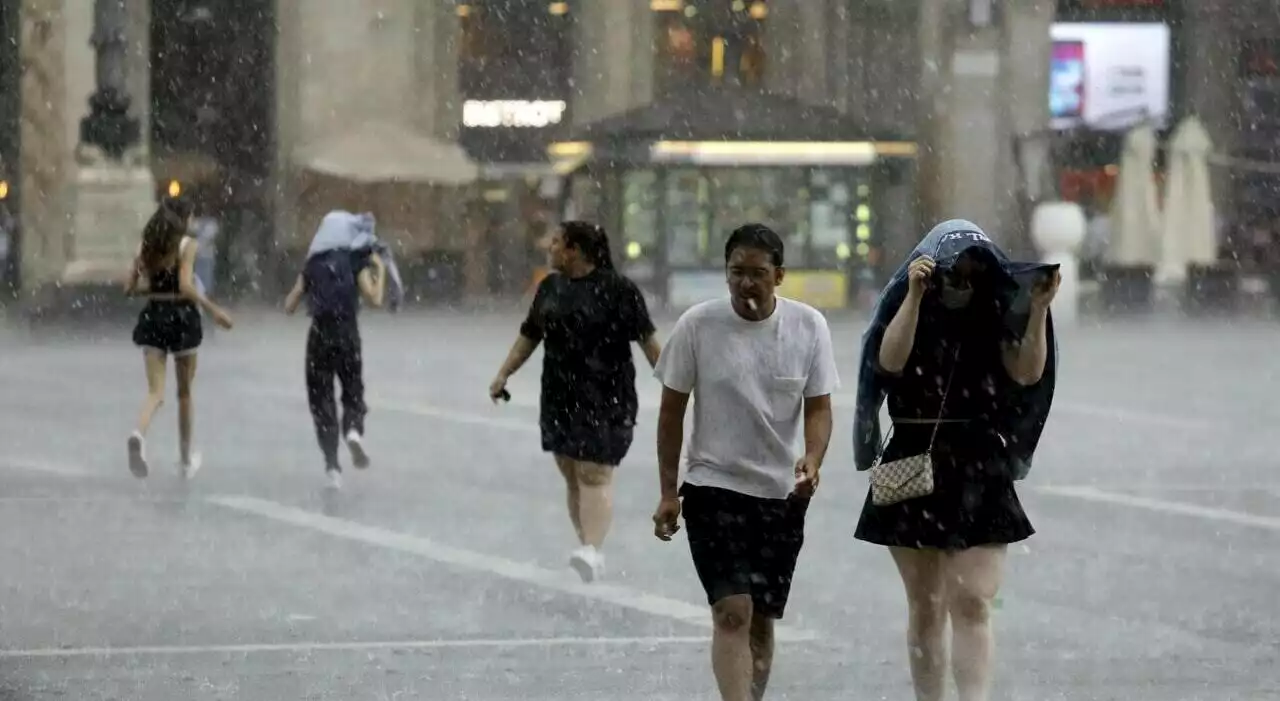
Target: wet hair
758,237
163,232
591,240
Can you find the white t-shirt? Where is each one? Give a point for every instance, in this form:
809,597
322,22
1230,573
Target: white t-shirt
749,380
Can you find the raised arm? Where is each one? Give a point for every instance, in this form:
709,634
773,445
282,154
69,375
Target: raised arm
900,334
1024,361
373,281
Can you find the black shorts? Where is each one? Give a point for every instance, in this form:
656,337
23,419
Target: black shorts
171,327
744,545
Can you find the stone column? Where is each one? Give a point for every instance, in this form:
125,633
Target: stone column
289,127
614,61
138,66
979,87
44,156
114,188
436,67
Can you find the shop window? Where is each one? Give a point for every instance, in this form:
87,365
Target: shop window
775,197
639,235
515,49
704,42
688,228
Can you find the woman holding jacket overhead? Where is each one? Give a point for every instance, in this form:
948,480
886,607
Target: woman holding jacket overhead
962,345
586,315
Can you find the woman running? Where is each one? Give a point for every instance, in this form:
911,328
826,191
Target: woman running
587,314
969,375
169,324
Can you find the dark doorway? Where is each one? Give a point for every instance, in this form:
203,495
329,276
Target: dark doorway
10,149
213,100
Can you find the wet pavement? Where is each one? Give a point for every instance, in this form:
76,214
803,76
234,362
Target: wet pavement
441,572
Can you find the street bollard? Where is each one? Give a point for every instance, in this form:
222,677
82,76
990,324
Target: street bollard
1058,229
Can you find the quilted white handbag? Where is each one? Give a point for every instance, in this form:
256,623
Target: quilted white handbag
910,477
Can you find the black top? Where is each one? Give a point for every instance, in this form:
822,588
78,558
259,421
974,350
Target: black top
333,295
966,343
166,281
587,325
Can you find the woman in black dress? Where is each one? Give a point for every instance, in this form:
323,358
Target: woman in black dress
950,371
169,324
586,315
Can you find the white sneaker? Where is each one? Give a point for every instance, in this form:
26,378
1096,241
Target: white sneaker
137,455
355,443
335,478
192,466
588,562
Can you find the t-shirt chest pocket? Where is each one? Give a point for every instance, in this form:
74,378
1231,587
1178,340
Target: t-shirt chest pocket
785,394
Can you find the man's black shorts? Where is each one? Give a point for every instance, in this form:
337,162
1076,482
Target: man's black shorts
744,545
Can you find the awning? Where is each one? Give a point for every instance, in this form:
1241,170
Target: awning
385,151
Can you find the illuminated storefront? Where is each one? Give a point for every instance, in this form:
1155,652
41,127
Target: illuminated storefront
670,186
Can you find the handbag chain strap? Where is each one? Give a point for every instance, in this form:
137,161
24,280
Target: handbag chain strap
942,406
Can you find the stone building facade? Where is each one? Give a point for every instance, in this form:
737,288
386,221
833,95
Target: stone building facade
387,76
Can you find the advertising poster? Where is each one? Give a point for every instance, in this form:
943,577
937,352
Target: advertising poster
1108,76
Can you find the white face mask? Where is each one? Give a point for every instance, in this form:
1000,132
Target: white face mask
954,298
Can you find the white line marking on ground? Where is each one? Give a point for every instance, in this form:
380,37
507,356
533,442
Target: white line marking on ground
563,582
1162,506
346,647
94,500
380,403
528,400
23,465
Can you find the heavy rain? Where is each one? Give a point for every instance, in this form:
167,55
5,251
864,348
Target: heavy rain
639,350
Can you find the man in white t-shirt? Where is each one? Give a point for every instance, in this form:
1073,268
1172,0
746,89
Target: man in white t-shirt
762,371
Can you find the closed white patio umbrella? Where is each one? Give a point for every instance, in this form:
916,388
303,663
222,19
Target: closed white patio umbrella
1190,236
1135,211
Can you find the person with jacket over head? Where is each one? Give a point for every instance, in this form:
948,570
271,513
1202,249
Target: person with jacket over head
961,345
333,282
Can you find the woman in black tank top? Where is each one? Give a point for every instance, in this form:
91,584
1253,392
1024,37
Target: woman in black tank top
169,324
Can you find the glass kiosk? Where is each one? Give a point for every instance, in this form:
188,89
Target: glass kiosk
669,204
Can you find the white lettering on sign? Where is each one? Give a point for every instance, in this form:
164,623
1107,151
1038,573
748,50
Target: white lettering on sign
971,235
512,113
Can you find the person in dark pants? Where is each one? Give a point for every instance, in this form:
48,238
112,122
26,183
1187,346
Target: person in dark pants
334,282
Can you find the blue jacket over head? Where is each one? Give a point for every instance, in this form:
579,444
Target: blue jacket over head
341,230
1028,408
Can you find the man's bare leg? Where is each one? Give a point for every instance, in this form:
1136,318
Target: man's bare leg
731,659
761,654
